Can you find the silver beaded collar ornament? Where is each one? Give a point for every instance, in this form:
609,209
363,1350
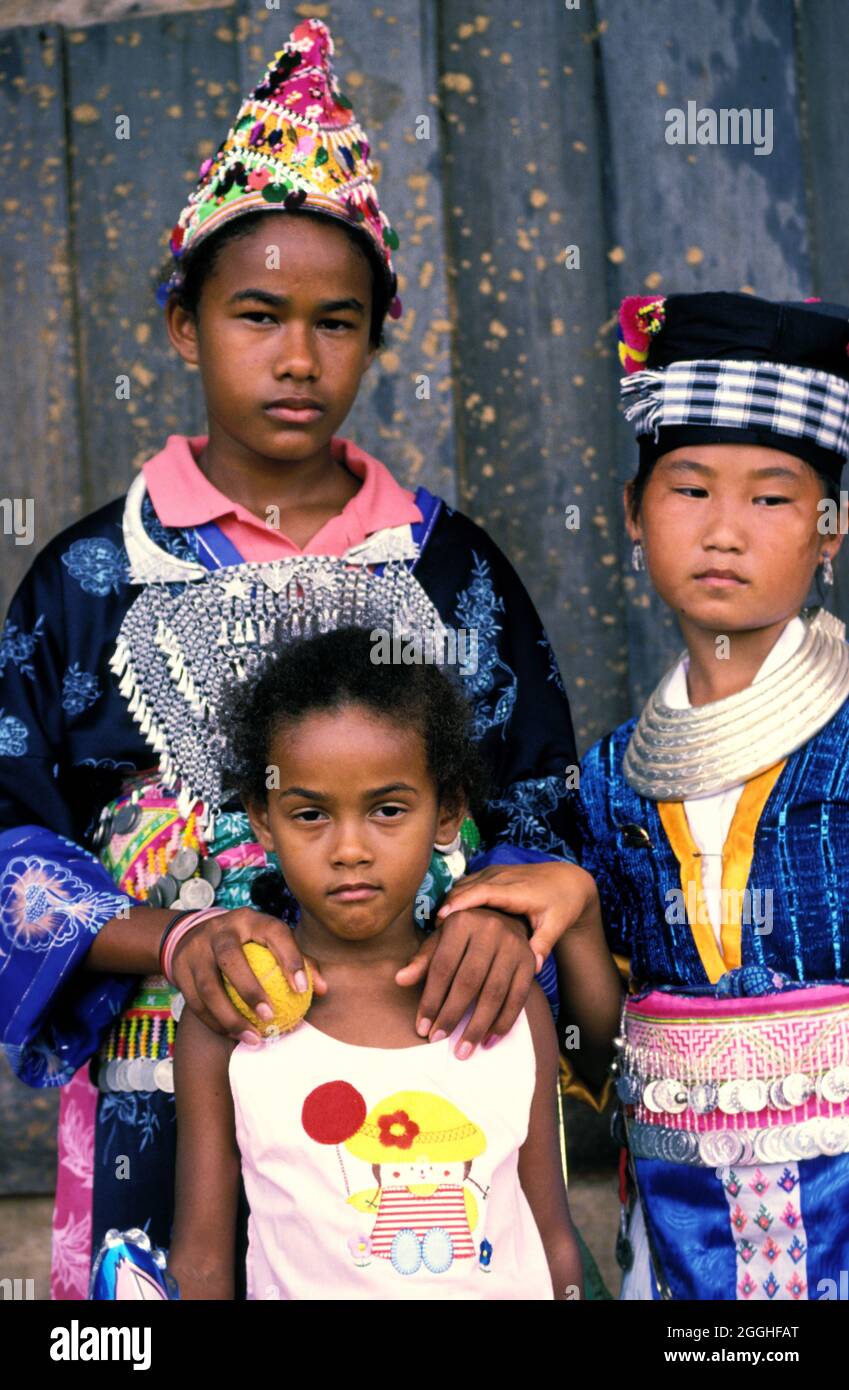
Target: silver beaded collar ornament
175,651
678,754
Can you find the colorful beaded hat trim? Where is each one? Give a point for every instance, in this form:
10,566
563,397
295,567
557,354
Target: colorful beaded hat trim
294,143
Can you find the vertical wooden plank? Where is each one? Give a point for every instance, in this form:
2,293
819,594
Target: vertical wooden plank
532,350
39,452
698,217
823,42
172,80
40,448
385,57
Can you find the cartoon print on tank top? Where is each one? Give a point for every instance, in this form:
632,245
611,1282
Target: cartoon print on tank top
421,1149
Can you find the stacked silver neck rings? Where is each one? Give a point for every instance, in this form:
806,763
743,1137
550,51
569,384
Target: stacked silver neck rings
676,754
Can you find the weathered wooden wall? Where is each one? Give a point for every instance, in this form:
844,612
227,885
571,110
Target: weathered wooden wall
546,130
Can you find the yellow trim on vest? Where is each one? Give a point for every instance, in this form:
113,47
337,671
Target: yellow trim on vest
737,855
573,1085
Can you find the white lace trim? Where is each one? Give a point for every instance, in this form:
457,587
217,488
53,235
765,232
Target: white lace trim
150,564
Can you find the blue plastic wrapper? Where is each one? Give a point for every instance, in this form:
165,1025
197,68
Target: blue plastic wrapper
129,1269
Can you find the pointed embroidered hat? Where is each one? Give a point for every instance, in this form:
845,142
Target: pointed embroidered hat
294,144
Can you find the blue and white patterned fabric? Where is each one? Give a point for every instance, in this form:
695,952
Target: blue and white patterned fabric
730,394
54,898
778,1233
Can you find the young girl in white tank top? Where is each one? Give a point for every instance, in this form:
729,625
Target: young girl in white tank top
376,1164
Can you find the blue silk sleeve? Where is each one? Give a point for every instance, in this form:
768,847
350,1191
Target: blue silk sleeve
54,894
54,898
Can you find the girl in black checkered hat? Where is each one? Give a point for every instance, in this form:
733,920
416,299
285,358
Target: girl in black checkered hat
716,825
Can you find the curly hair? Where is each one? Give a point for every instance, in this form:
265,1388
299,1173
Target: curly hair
337,669
198,265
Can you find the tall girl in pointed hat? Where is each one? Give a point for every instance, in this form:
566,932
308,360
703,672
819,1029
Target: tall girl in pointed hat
716,825
118,841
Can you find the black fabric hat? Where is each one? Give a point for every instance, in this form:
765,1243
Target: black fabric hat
790,391
721,325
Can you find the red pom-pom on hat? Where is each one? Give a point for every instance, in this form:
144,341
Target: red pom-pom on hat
640,317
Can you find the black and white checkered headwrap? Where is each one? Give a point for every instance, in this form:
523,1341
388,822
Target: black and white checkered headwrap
800,402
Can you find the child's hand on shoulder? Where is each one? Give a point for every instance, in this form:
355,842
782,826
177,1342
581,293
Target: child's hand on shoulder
476,953
554,896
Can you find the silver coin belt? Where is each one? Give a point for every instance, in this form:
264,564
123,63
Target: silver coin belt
821,1136
137,1074
714,1123
147,1026
133,834
137,1054
190,881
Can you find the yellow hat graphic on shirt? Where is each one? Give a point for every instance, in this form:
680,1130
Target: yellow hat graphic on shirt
416,1124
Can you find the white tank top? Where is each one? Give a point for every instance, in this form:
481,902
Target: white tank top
387,1173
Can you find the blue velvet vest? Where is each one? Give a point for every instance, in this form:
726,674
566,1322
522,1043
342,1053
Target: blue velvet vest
801,856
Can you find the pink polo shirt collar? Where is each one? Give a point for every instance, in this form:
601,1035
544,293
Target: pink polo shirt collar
183,496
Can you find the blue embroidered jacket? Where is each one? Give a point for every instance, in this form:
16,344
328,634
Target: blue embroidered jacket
801,857
67,742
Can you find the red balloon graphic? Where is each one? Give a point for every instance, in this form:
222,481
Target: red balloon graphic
333,1112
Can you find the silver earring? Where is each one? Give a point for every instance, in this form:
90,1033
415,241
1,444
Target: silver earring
455,859
827,570
638,559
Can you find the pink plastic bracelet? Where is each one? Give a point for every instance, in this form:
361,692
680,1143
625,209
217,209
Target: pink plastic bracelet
175,937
